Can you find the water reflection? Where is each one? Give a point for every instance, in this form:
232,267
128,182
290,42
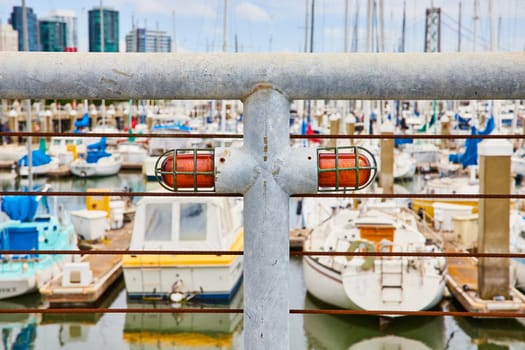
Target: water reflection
370,332
19,331
489,333
183,330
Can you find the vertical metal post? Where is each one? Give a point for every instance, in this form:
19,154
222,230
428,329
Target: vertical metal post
266,224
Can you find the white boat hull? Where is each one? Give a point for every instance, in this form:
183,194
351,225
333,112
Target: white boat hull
39,169
201,282
518,265
106,166
398,288
360,290
325,283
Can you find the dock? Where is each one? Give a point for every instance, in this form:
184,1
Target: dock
462,282
105,269
62,170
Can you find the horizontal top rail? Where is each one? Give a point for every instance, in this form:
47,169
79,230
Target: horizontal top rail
493,75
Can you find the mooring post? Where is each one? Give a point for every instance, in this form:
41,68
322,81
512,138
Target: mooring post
494,166
386,175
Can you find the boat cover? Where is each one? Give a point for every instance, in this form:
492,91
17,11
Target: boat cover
21,208
38,157
470,157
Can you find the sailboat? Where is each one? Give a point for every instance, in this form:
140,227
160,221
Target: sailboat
383,283
27,224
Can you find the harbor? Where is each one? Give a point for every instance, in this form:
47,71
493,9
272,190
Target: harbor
122,331
261,199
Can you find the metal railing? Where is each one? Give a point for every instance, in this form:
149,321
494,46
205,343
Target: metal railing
266,83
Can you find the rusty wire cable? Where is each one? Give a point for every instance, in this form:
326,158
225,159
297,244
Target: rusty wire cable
456,254
293,253
210,310
215,194
240,136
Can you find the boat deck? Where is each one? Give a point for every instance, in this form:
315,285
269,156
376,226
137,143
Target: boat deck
106,269
462,282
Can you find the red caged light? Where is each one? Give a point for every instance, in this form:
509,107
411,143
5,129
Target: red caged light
339,171
186,170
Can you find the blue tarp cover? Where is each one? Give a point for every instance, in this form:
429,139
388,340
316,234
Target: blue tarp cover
470,157
38,158
172,126
21,208
98,146
82,123
94,156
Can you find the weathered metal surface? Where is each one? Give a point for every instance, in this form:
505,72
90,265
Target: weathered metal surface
493,75
266,224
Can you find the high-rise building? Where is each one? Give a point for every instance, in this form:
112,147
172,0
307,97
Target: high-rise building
144,40
108,39
15,20
53,35
8,38
71,21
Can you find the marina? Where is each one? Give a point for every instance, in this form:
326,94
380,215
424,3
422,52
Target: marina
298,236
84,331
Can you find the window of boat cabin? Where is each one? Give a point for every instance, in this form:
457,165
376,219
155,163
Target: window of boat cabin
158,225
192,223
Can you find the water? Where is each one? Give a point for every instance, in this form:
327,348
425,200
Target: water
224,331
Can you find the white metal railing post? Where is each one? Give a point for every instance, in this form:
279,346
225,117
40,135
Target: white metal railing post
266,224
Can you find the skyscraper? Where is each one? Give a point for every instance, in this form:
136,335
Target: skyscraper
108,39
8,38
53,35
144,40
32,28
71,21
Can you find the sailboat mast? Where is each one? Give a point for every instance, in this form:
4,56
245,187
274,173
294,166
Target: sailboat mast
403,29
459,27
345,46
27,103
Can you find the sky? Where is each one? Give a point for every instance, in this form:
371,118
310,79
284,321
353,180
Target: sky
281,25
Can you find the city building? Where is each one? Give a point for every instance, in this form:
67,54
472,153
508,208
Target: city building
71,21
8,38
15,20
53,34
144,40
106,40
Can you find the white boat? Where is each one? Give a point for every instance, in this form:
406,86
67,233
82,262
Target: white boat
96,162
423,152
28,225
185,224
12,152
447,185
390,283
517,245
66,148
132,153
41,164
518,162
168,124
404,163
